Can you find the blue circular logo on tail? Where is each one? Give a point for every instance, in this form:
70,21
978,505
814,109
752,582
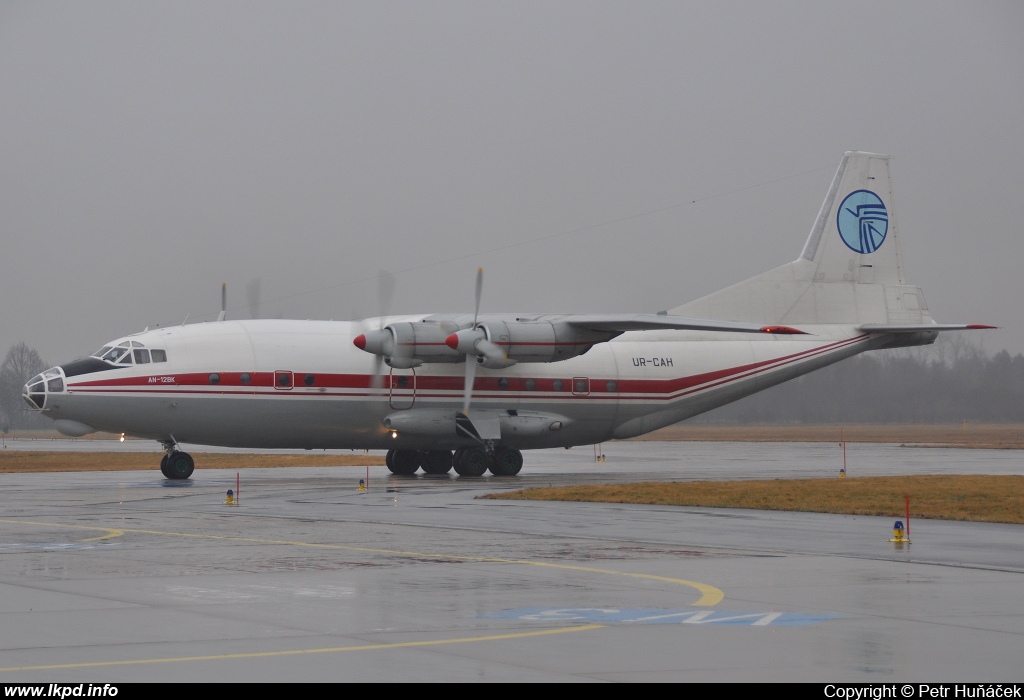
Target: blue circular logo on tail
863,221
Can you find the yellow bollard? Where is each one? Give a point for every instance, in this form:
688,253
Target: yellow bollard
230,500
362,485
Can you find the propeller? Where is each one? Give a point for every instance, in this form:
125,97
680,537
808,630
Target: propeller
223,302
471,361
252,293
385,293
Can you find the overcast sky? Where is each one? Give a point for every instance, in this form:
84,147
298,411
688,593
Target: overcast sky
626,156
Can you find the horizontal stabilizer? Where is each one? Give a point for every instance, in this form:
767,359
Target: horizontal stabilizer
652,322
921,327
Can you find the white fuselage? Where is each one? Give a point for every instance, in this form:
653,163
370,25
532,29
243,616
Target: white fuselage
309,387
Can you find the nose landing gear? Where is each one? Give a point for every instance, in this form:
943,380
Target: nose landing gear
176,465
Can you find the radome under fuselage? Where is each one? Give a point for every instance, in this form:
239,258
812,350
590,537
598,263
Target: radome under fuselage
309,387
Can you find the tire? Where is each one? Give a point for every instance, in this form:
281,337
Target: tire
506,462
436,461
163,467
405,462
389,460
472,462
180,465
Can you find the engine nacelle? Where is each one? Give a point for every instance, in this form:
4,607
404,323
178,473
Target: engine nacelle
440,423
504,343
405,345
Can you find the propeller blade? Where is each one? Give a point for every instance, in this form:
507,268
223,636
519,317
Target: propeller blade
467,393
377,380
385,293
479,290
252,294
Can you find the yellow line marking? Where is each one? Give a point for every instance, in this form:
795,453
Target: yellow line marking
111,533
709,594
294,652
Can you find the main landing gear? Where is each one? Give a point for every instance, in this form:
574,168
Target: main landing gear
467,461
176,465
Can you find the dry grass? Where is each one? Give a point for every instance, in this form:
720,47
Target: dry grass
998,499
999,436
15,461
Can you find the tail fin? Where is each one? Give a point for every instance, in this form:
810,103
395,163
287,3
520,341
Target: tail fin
850,270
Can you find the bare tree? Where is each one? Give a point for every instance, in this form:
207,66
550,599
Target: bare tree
20,365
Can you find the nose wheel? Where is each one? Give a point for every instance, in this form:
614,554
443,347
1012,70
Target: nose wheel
176,465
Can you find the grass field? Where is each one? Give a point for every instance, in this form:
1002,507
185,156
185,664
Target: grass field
994,436
13,461
997,499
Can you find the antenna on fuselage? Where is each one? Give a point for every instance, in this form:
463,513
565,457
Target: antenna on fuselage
223,302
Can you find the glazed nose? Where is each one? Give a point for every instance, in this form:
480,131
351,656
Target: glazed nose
35,390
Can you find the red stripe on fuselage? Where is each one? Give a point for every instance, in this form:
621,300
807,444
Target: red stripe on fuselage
263,382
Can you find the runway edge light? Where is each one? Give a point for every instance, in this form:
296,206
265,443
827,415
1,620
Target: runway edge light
899,534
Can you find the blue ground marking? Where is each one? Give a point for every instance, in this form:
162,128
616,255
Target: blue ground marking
663,616
51,546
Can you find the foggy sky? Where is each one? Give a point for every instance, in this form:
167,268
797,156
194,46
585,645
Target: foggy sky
591,156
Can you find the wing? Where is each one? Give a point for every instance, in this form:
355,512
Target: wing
921,327
621,323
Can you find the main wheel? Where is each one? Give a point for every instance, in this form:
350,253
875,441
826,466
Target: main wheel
405,462
436,461
180,465
506,462
472,462
163,467
389,459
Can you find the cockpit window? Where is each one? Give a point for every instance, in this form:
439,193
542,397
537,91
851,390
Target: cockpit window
129,350
114,354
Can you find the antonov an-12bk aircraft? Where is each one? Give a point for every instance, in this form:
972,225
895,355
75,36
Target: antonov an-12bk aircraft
488,386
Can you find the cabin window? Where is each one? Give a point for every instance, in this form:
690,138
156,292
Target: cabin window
611,385
244,378
284,379
557,385
530,384
503,383
159,355
214,378
141,357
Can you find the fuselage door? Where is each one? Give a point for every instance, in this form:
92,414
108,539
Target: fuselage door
403,388
283,380
580,386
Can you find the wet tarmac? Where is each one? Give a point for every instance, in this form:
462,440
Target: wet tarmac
124,576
